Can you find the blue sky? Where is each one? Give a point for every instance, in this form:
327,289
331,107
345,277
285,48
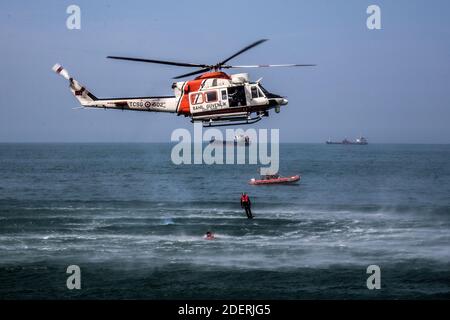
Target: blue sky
391,85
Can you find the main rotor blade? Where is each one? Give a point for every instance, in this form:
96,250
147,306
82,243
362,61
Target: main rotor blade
171,63
193,73
243,50
270,65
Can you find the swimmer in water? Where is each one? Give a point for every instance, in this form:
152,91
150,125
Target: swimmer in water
209,236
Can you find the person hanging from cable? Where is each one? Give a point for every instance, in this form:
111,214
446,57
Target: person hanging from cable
246,204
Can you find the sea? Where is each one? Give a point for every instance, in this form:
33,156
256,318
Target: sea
133,222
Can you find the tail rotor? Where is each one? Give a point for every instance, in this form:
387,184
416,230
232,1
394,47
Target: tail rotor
59,69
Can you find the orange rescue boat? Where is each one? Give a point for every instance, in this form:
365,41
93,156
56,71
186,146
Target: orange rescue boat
274,179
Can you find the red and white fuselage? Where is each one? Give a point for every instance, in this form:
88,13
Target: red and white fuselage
214,98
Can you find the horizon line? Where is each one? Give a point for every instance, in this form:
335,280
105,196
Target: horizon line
171,142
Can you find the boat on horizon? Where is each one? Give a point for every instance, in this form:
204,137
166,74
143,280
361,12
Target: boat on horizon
359,141
238,140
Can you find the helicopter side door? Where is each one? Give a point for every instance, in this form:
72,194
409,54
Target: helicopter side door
236,96
255,96
224,97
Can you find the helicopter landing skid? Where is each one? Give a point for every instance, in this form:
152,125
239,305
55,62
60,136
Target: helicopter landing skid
231,121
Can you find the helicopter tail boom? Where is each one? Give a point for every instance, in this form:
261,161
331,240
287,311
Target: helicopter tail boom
88,100
78,90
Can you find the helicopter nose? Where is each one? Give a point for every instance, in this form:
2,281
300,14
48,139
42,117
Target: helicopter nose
284,102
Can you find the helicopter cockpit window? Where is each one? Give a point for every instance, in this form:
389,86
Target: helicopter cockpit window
260,93
254,90
211,96
264,90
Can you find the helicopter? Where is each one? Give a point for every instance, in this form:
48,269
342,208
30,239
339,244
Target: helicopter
213,98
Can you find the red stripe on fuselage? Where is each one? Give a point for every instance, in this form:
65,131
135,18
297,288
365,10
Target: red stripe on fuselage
191,86
195,85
